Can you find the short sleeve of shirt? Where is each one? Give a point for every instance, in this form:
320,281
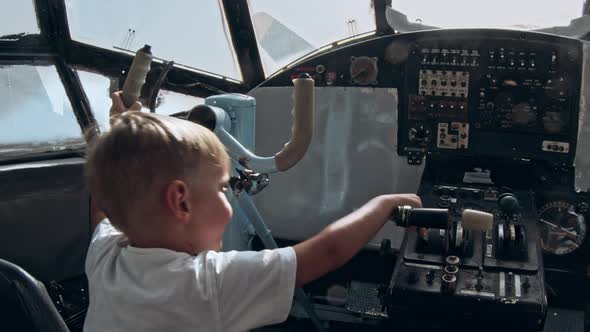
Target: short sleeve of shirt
102,239
254,288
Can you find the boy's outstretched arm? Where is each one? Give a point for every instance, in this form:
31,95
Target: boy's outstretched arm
340,241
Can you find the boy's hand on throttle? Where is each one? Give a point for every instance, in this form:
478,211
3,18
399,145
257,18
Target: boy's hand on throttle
406,199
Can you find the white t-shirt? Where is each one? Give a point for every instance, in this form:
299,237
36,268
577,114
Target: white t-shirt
135,289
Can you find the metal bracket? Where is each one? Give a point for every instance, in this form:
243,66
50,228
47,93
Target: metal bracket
248,181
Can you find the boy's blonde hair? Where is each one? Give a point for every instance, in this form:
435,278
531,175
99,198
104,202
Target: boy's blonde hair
140,151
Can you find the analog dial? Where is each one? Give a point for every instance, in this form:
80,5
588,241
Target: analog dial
563,230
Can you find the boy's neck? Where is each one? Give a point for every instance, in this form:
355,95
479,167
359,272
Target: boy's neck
174,240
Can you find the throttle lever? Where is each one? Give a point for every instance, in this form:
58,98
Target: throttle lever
406,216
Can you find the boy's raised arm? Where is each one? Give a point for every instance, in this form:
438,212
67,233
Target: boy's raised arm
340,241
117,107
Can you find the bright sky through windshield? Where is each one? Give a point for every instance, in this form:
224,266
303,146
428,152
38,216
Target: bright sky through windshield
18,16
319,22
287,30
192,32
516,14
189,32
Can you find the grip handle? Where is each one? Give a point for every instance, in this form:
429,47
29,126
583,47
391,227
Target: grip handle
302,129
406,216
137,74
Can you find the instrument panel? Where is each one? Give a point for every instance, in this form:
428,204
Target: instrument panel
507,97
475,93
468,92
500,100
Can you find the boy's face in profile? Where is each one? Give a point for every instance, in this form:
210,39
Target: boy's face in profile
211,211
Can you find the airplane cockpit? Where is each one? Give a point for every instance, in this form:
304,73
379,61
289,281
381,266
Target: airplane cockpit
480,108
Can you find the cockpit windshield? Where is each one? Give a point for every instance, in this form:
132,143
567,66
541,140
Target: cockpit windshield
509,14
195,33
563,18
191,33
196,36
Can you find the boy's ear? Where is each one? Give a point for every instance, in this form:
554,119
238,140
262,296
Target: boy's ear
176,200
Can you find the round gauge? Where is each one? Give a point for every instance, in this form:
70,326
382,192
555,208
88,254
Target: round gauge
524,114
563,230
397,52
363,70
552,122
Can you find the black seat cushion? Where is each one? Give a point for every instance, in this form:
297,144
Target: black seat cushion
25,304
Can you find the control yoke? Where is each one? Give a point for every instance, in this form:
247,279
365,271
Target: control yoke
220,122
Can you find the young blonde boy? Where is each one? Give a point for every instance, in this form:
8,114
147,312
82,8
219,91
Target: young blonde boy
155,265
